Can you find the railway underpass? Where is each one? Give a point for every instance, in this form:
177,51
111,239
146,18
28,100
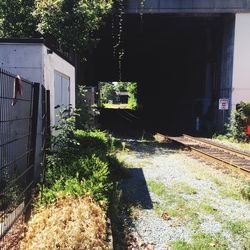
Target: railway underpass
184,61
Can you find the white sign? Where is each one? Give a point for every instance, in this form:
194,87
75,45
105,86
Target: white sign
223,104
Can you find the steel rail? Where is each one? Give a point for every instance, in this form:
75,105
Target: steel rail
206,154
222,147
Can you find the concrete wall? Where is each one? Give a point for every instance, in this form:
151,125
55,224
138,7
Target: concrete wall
241,65
22,59
188,6
226,70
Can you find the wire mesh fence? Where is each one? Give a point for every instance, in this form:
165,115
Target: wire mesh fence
18,121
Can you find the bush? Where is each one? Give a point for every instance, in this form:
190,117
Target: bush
93,140
238,122
78,163
88,174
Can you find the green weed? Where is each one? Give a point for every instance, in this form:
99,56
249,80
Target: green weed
184,188
238,227
162,191
202,241
181,245
207,208
245,192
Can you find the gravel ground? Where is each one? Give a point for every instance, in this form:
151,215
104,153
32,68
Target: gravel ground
177,202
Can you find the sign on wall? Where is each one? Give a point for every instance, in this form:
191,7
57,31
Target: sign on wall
223,104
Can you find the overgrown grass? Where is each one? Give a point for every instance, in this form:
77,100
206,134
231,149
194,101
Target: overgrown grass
173,204
233,192
245,192
162,191
184,188
238,228
207,208
202,241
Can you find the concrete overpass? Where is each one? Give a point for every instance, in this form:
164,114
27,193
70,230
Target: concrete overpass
188,6
185,56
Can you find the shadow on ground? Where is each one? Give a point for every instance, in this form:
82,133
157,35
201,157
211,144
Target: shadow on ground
133,191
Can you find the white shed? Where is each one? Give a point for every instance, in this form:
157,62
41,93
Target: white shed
36,62
33,60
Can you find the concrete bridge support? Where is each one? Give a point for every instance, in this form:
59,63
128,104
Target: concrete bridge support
241,63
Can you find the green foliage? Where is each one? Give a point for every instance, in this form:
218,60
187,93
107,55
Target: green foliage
78,162
120,86
16,19
71,22
238,122
245,192
86,118
96,141
181,245
88,174
107,92
64,146
202,241
132,92
238,228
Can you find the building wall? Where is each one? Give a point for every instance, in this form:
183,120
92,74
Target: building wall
241,65
53,62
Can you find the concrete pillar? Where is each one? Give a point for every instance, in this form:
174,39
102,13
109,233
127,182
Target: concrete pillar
241,64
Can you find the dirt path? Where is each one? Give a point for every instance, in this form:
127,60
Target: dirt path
174,202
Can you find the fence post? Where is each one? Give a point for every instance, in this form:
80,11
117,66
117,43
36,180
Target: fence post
35,112
32,157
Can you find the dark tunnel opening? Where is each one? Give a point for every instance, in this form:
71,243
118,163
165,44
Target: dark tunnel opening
176,61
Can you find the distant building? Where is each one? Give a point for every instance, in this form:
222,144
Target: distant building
122,97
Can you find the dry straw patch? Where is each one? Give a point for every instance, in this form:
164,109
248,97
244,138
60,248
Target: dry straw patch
71,223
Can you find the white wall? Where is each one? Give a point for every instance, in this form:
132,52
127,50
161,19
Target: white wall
53,62
241,67
22,59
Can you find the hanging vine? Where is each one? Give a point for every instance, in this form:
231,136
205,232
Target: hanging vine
117,32
142,5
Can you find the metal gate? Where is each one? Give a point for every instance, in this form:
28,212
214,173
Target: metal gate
18,124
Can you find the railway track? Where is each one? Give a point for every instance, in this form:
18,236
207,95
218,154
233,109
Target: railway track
213,151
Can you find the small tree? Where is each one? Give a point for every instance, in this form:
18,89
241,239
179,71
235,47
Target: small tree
71,22
107,92
16,19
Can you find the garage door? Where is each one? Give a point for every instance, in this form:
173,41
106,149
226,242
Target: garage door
62,93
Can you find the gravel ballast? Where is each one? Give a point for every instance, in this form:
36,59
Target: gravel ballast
181,201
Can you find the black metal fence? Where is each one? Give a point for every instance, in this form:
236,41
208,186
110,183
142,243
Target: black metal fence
18,124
